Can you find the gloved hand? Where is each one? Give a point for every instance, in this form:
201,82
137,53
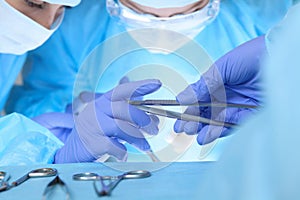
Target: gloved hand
85,97
106,121
234,78
60,124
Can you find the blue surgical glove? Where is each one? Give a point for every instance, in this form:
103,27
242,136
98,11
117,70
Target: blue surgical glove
108,120
60,124
234,78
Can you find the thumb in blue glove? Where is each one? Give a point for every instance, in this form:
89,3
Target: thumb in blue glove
107,120
234,78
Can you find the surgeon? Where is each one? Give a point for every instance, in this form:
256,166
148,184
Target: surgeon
217,26
33,23
24,141
217,32
25,25
263,160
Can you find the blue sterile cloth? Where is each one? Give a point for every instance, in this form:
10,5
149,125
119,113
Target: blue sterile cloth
24,142
168,181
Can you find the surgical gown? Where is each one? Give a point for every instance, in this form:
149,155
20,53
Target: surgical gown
50,71
22,141
263,160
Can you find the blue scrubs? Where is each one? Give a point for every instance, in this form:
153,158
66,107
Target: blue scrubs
10,67
263,161
50,71
22,141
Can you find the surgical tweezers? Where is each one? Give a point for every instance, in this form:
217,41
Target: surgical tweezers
144,105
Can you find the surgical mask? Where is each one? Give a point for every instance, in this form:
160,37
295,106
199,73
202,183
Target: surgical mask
64,2
19,33
189,23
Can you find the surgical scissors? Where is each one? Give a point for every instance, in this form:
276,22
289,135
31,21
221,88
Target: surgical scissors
144,105
4,177
42,172
113,180
37,173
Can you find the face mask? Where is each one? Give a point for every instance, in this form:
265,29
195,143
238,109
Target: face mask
19,33
188,24
64,2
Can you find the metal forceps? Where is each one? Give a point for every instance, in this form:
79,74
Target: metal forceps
113,180
145,106
3,180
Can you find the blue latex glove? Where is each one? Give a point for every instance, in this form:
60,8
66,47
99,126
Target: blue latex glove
60,124
107,120
234,78
85,97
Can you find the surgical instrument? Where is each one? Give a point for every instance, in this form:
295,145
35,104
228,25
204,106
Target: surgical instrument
113,180
4,177
152,156
144,105
42,172
56,181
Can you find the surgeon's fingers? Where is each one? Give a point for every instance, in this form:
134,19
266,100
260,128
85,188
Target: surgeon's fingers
232,115
125,131
201,90
117,150
133,89
210,133
152,127
123,80
103,145
54,120
195,92
124,111
87,96
191,127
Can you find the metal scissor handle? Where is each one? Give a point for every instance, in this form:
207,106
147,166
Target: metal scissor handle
4,177
42,172
115,180
86,176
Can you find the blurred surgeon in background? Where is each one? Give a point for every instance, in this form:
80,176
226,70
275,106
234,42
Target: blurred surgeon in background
217,26
25,25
